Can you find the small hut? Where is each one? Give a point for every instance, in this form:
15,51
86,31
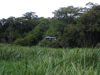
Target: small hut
51,38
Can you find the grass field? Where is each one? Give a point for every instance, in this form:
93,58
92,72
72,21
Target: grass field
18,60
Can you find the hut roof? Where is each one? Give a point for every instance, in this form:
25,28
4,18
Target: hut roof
51,37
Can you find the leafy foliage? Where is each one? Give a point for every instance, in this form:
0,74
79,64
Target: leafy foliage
73,27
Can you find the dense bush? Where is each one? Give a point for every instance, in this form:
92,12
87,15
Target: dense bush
73,29
20,42
26,41
98,45
47,43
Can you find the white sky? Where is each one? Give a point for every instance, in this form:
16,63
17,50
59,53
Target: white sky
43,8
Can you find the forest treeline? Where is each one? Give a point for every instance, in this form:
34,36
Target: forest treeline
73,27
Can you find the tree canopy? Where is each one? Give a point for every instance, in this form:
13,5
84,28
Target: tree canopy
73,27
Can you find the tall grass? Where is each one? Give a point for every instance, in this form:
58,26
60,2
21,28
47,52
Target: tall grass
18,60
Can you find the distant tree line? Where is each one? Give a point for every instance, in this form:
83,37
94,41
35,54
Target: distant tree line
73,27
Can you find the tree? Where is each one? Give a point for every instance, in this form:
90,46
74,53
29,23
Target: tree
56,28
29,16
68,14
90,4
36,35
91,22
0,31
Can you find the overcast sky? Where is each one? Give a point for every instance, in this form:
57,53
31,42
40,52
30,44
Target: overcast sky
43,8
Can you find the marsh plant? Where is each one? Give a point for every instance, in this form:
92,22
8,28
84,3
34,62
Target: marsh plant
19,60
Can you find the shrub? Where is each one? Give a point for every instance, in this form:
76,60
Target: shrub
21,42
26,41
98,45
47,43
